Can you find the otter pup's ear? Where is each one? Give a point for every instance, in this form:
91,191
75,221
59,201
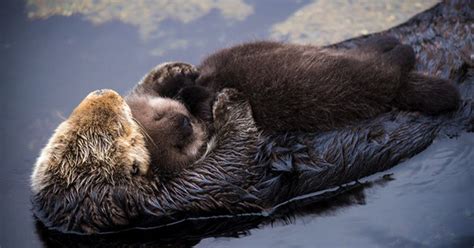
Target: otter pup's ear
198,100
166,80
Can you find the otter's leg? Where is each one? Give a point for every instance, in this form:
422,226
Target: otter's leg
379,44
402,56
167,79
386,63
427,94
387,51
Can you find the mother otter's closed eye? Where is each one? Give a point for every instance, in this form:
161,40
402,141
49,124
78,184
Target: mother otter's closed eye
290,88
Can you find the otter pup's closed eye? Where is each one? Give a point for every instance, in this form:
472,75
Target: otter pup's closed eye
175,115
175,138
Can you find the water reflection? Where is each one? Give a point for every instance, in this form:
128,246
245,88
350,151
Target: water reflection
155,19
146,15
328,21
318,22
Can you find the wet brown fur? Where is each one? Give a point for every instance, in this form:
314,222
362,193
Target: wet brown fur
94,176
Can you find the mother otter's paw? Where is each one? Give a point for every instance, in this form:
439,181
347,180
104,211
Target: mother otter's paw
168,78
230,105
225,101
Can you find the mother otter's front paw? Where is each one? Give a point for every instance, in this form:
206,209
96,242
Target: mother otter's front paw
225,101
230,106
168,78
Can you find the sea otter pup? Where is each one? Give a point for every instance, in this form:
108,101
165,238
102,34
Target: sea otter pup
290,88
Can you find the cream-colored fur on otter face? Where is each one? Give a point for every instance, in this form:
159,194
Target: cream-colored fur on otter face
101,146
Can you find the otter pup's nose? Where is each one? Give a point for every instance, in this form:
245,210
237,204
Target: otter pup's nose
185,125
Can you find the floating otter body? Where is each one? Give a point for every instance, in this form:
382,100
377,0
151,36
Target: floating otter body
290,88
94,175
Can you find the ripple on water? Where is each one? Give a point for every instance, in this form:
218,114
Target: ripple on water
445,162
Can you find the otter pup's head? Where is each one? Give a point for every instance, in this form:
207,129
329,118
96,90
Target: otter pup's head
92,173
175,114
175,136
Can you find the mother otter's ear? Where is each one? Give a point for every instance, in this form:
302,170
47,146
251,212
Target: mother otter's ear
167,79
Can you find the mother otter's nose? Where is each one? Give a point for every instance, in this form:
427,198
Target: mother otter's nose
102,92
104,95
99,106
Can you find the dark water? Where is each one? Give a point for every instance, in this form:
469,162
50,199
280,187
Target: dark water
52,53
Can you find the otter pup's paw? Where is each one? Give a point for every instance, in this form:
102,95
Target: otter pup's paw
168,79
170,70
230,107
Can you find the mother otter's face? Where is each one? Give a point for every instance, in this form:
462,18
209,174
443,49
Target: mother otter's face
97,159
175,137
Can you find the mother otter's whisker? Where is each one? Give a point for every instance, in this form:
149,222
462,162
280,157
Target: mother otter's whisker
144,132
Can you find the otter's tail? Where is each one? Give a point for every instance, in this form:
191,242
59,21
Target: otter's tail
428,94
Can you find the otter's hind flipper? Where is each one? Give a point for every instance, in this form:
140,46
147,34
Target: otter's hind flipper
427,94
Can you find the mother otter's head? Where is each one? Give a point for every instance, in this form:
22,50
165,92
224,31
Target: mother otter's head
92,173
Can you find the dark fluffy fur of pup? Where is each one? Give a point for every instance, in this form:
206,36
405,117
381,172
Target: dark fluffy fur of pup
308,88
428,94
292,88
